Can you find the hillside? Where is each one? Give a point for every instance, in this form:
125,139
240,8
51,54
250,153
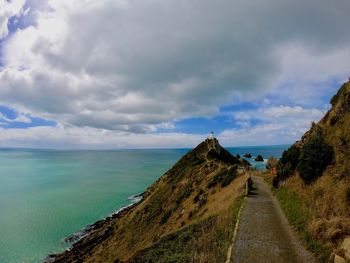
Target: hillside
313,181
187,215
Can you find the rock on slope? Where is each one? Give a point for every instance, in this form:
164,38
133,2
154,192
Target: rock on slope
186,215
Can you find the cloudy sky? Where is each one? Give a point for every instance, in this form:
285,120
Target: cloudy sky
164,73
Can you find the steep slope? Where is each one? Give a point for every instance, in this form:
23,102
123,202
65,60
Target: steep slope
186,215
313,179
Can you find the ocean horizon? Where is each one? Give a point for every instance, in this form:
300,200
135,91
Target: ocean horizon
47,195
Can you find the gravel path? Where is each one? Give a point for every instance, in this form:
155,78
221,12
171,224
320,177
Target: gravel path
264,234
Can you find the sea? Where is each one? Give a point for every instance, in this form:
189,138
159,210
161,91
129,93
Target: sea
48,195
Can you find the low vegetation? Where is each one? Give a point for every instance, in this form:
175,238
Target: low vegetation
310,160
203,241
300,216
272,163
313,178
223,177
314,158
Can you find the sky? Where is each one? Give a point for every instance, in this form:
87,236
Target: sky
162,73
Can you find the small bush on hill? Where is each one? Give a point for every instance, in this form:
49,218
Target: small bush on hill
166,216
291,156
184,194
315,156
335,99
223,155
243,162
224,177
310,161
344,142
275,182
271,163
333,120
285,171
230,175
287,164
198,196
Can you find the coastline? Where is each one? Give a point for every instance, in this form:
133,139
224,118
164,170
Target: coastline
93,233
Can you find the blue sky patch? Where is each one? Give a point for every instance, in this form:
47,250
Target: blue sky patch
11,119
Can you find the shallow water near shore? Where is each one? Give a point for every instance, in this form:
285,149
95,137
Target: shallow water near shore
46,195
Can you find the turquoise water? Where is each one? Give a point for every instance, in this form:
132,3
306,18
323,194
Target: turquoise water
46,196
265,151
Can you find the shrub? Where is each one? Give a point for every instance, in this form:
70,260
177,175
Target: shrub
315,156
285,171
333,120
286,165
224,177
335,99
198,196
244,163
344,142
230,175
345,174
184,194
291,156
271,163
223,156
275,182
166,216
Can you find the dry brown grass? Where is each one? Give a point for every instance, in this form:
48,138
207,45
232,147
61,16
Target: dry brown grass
324,205
141,228
326,202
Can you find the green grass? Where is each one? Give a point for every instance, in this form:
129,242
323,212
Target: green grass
299,216
211,236
178,246
235,209
223,177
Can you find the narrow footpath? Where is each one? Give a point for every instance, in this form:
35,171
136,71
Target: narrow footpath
264,234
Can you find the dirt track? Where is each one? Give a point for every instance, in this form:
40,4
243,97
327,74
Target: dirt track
264,234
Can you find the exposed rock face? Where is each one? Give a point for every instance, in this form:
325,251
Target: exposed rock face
259,158
247,155
200,187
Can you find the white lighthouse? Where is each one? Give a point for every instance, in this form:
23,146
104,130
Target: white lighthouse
211,136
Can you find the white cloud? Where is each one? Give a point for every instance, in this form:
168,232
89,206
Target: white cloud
23,119
9,9
276,125
113,73
306,76
90,138
279,113
132,65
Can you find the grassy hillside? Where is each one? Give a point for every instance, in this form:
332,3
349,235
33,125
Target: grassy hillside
313,180
186,216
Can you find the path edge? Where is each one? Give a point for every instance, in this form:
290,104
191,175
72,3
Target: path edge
239,216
